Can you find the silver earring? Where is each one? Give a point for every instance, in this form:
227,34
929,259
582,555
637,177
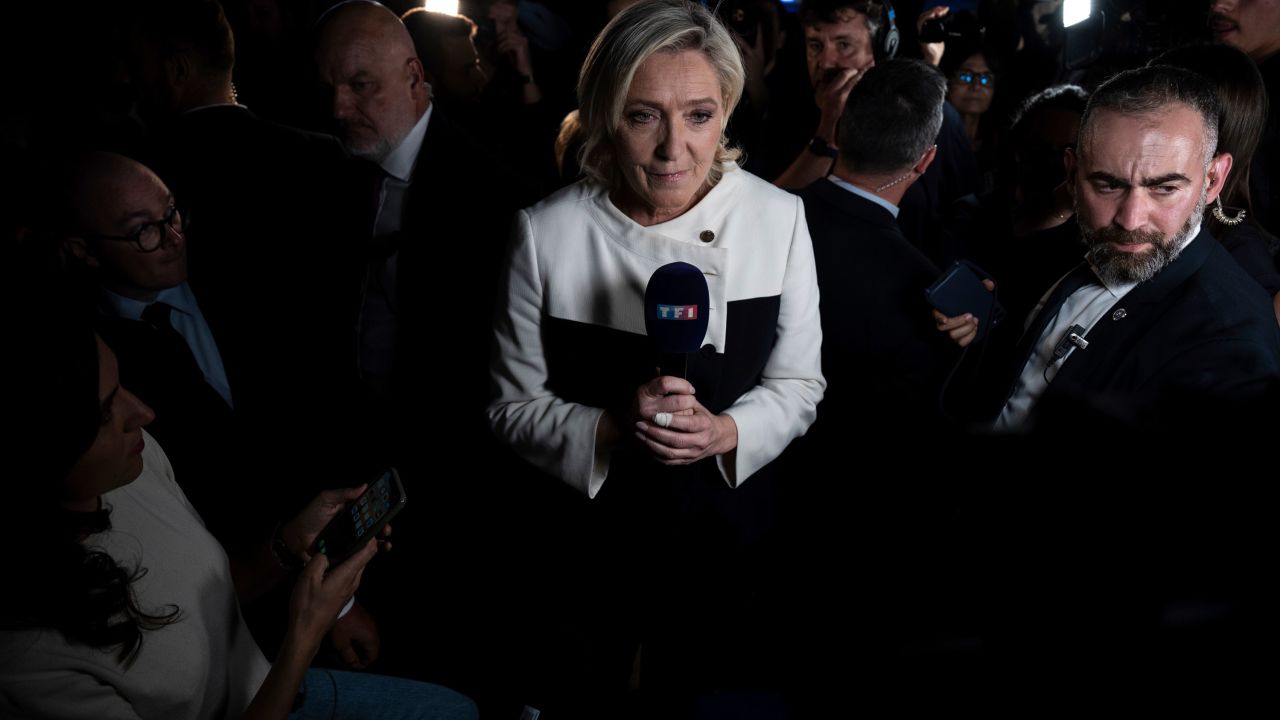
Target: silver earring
1223,217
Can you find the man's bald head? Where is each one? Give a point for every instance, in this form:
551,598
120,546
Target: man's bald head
365,56
111,202
99,184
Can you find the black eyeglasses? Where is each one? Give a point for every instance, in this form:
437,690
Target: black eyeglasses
969,77
149,236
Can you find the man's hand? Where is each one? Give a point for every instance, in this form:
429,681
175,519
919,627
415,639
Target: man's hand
962,329
931,52
355,638
830,94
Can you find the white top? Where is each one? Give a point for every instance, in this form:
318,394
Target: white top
1084,307
577,257
206,665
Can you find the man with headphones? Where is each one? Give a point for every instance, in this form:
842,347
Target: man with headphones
843,39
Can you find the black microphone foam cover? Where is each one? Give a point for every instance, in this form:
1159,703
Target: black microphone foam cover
676,305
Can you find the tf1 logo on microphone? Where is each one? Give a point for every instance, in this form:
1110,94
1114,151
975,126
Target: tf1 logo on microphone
677,312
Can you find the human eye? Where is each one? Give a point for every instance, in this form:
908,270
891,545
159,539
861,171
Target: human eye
148,236
814,47
1164,190
641,117
701,117
106,409
138,233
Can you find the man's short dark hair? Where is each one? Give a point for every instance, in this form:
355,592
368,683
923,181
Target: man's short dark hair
813,12
1064,98
1146,91
196,28
428,28
892,116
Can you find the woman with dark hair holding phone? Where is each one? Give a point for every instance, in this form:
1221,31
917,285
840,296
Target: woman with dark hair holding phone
1243,97
127,607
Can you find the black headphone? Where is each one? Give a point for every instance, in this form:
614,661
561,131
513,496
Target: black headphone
886,41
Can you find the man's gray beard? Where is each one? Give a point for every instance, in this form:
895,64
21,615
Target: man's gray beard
1120,268
375,154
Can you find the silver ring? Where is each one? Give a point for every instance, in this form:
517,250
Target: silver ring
662,419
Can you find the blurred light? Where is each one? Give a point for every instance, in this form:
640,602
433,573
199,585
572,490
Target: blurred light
1074,11
448,7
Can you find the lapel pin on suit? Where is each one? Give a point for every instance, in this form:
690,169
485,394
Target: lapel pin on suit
1120,314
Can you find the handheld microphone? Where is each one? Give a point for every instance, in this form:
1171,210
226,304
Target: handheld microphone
676,302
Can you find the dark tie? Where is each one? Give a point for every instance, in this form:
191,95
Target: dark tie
179,357
159,315
1079,277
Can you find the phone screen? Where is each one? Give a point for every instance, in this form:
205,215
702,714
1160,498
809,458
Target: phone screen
363,518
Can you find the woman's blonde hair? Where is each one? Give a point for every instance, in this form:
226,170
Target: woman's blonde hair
622,47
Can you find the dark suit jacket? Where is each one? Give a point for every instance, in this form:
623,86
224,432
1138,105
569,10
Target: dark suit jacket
883,359
275,224
951,176
1198,342
457,223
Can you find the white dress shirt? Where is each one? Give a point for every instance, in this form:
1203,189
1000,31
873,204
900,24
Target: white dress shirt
377,312
1084,307
865,195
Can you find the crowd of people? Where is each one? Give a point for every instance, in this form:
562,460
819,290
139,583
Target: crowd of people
848,492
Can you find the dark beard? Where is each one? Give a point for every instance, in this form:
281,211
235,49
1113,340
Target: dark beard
1120,268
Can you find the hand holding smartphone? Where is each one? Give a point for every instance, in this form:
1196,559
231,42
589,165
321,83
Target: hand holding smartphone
362,519
960,290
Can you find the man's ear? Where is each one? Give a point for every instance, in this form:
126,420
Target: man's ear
77,248
417,73
176,71
1219,170
926,160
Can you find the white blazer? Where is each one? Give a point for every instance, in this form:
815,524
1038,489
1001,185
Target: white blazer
576,257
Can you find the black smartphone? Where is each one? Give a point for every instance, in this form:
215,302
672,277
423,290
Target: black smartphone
362,519
959,27
960,290
935,31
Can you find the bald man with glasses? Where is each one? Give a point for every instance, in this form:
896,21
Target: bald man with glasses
128,233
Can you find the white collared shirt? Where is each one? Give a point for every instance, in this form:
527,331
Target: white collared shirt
377,315
845,184
398,165
1085,307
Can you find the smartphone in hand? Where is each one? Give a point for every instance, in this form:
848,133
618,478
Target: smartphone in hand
362,519
960,290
